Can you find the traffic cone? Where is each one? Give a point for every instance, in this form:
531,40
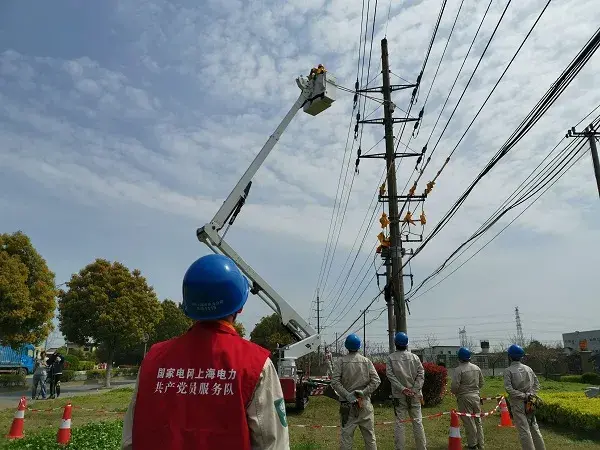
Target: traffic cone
64,430
505,420
454,440
16,429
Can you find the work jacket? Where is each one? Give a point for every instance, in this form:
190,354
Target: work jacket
354,372
466,379
520,381
207,389
405,371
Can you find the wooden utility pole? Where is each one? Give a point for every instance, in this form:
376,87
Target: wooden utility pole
397,282
318,324
392,254
590,133
365,332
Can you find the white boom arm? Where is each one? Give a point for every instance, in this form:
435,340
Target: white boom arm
318,93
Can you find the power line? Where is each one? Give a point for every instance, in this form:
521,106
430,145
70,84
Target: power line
530,120
580,153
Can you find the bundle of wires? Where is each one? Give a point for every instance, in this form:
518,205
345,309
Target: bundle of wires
557,88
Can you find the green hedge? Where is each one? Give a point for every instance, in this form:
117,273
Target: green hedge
571,410
93,436
434,387
67,375
586,378
71,362
85,365
12,379
95,374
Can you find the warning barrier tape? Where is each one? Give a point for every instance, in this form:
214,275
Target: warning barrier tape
430,416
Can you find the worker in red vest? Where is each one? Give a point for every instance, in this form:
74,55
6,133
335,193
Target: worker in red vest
209,388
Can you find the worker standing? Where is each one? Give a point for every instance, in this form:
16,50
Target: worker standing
208,388
355,379
467,381
406,375
522,386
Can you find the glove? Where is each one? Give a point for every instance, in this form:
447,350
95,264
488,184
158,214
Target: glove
351,398
359,393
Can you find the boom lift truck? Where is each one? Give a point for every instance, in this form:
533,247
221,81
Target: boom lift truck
317,94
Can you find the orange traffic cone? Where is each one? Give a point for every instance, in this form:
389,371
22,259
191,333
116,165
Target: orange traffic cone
505,420
64,430
454,440
16,429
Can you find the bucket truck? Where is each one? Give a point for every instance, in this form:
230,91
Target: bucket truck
317,93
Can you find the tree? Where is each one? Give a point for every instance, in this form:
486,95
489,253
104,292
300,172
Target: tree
173,323
239,327
545,356
27,292
108,304
269,332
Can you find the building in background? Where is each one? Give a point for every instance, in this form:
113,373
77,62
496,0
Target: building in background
578,341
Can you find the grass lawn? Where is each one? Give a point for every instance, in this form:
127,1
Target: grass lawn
320,411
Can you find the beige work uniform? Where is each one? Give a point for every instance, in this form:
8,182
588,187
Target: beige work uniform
520,382
354,372
467,381
266,431
405,371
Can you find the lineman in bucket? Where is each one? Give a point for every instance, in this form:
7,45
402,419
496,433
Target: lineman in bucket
522,386
355,379
406,375
467,381
208,388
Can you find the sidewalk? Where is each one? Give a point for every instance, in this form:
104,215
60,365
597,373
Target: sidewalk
9,397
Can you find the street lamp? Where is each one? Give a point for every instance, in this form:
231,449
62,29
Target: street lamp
145,339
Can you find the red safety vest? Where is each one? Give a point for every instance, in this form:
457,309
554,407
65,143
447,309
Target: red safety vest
193,391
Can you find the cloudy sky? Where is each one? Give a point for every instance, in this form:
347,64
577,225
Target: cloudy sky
125,123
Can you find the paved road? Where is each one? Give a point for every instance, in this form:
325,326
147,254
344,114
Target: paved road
10,398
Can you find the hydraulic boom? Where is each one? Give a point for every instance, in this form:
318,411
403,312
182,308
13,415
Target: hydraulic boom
317,94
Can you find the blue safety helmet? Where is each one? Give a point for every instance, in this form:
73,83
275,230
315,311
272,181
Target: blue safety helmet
401,339
213,288
516,352
352,343
464,354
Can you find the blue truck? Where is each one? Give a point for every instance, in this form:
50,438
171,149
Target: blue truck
19,360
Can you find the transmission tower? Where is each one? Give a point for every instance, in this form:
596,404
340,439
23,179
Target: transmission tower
520,338
463,337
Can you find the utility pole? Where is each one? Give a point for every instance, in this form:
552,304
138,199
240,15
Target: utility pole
390,161
590,133
392,252
389,301
365,332
318,323
337,345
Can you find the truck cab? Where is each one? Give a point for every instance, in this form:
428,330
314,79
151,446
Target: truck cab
20,360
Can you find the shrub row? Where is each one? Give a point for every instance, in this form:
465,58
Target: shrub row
93,436
12,379
97,374
434,387
572,410
587,378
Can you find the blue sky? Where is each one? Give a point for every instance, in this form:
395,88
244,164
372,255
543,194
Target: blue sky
125,124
